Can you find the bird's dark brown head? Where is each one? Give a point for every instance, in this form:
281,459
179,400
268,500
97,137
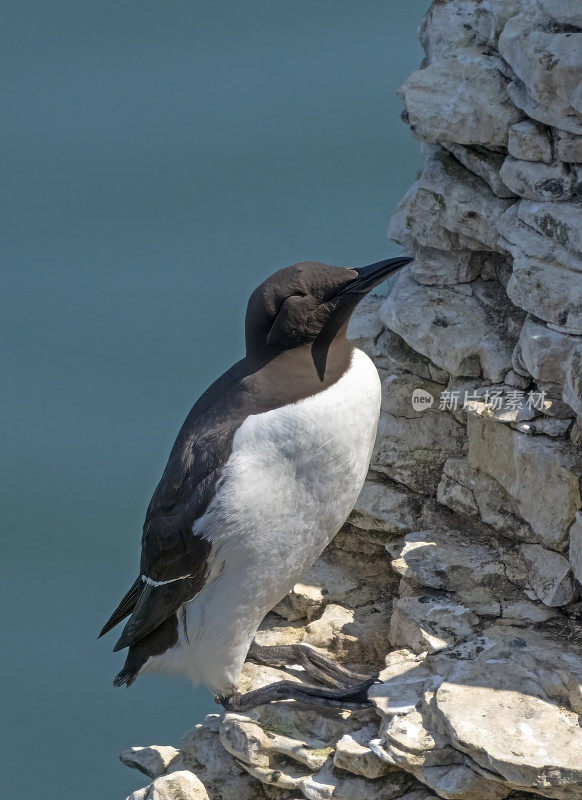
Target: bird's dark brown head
309,303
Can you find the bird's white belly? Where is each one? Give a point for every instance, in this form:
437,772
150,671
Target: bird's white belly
293,477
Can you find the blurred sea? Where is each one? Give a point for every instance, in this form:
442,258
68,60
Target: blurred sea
160,159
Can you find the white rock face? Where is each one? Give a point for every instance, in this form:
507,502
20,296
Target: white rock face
153,761
549,575
530,141
495,715
547,62
450,328
428,623
545,352
411,446
535,180
461,98
457,577
182,785
569,147
576,547
544,240
563,11
448,207
484,163
573,380
541,475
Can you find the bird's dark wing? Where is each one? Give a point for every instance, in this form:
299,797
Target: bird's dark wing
174,560
173,567
125,607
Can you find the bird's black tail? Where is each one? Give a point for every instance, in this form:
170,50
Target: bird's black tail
127,676
124,608
153,644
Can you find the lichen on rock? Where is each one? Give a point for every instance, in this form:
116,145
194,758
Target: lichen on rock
458,575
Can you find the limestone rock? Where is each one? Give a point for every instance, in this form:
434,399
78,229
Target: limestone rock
549,63
535,180
461,98
412,445
565,12
274,631
576,547
544,352
348,635
446,27
354,754
181,785
418,794
386,507
327,784
548,573
448,208
461,782
428,623
435,267
365,326
559,223
409,742
243,738
553,657
501,404
398,357
153,761
498,715
551,112
471,492
554,360
516,380
540,474
402,683
323,583
490,16
484,163
548,426
459,709
573,379
201,748
551,292
529,141
450,329
547,265
473,570
544,231
203,753
568,147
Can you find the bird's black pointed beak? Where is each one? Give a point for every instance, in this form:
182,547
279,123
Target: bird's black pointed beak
372,275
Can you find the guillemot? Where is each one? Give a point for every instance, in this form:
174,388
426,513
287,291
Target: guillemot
264,472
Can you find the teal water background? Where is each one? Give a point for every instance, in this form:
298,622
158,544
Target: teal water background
160,159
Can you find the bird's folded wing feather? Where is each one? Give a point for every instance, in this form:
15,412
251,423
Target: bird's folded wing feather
174,560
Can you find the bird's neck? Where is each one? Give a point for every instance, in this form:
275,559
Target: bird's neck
293,374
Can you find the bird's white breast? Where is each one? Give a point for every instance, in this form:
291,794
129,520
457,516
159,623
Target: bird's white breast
292,478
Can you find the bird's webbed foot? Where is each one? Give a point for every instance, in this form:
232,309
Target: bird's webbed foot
351,697
315,664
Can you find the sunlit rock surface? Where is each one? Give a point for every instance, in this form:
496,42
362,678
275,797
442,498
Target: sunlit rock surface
457,577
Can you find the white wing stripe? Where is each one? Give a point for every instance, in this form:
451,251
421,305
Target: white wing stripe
152,582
